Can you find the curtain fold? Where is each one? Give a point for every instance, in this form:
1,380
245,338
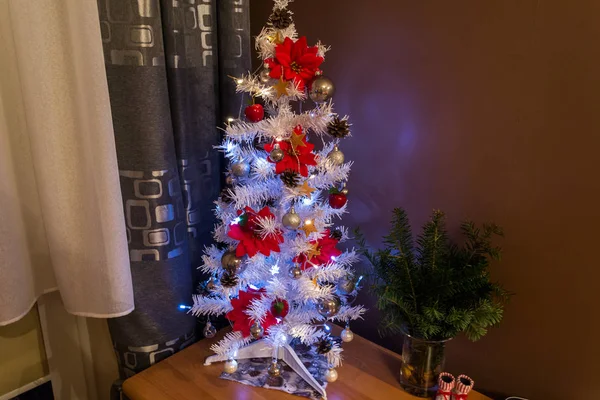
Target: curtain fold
162,69
61,219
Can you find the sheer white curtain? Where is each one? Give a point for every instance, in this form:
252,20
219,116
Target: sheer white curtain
61,215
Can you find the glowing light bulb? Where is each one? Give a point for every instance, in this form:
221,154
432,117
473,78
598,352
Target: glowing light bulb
184,307
275,269
236,221
240,81
307,201
327,328
230,119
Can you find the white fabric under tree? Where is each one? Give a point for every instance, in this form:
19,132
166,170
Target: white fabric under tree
61,215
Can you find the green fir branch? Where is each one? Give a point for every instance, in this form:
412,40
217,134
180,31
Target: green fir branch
432,287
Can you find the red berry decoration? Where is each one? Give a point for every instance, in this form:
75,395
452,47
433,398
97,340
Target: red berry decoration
254,112
337,199
280,308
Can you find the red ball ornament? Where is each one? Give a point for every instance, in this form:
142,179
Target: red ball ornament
254,112
280,308
337,199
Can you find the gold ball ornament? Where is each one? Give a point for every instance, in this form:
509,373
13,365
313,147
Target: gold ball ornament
256,330
230,366
232,263
209,331
331,375
336,156
295,272
320,89
347,335
329,307
274,369
264,75
276,154
346,285
240,169
291,219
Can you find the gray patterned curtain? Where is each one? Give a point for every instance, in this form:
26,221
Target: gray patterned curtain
165,61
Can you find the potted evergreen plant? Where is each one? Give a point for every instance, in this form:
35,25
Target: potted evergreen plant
432,290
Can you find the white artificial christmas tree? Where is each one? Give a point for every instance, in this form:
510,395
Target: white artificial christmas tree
277,272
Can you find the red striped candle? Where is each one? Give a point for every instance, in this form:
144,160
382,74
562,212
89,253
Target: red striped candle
463,386
445,386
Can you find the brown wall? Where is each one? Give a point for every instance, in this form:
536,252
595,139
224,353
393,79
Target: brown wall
487,109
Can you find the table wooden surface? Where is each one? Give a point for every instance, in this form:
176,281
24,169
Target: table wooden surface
369,372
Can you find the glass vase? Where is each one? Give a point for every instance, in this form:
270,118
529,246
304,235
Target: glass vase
422,362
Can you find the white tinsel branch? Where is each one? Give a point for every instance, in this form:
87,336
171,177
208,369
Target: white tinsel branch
334,356
251,84
204,305
310,292
267,226
231,343
348,313
315,120
307,333
258,308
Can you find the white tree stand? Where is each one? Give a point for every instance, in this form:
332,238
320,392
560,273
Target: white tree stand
264,349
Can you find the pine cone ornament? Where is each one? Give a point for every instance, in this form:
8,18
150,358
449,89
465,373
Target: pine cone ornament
338,128
280,19
229,280
290,178
336,234
324,346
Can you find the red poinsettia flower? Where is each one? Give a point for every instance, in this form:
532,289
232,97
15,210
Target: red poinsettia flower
241,320
326,248
294,61
296,160
247,231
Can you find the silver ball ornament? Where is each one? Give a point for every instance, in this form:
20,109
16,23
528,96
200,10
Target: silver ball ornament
347,335
264,75
329,307
336,156
256,330
240,169
232,263
230,366
209,331
295,272
320,89
291,219
331,375
274,369
276,154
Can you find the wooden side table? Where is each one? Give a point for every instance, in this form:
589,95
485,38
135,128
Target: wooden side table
369,372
